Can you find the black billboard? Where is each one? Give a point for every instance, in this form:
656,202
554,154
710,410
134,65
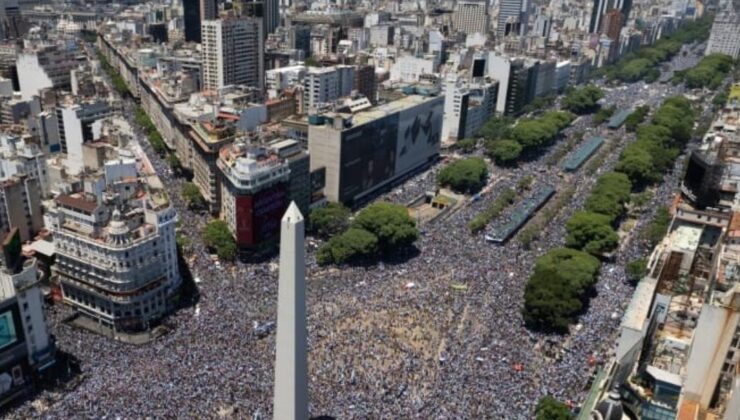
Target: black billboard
479,66
368,156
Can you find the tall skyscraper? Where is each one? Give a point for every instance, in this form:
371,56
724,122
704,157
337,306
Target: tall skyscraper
12,25
471,16
267,10
191,12
602,8
208,9
725,35
511,17
233,52
291,356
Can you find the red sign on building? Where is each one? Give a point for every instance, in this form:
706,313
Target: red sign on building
258,216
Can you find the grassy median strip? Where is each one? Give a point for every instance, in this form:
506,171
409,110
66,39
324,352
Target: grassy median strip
504,200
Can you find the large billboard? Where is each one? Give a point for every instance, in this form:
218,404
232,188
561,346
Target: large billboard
368,156
258,216
419,134
8,334
244,221
269,206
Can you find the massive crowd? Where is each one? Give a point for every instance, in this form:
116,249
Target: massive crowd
435,335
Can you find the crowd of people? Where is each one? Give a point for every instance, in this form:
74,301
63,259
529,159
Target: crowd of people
438,334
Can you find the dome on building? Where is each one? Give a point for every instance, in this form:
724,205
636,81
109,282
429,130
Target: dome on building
117,229
609,409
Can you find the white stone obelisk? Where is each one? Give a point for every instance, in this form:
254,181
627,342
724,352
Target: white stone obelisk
291,359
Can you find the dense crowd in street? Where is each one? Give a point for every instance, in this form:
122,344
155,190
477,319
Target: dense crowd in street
438,334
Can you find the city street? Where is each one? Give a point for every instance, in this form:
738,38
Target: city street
379,348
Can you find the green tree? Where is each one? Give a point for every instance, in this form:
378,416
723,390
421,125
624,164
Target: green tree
583,100
557,289
658,227
192,196
709,72
636,269
602,115
548,408
352,245
328,221
504,152
174,162
216,236
636,118
464,175
591,232
390,223
637,164
496,128
466,145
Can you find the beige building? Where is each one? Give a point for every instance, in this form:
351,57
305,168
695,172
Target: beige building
20,206
233,53
114,234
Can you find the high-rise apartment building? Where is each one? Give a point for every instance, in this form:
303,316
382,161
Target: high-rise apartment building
322,85
46,67
77,124
601,11
20,204
365,83
191,17
613,22
725,35
208,9
512,18
19,281
26,347
20,158
12,25
266,10
471,16
233,52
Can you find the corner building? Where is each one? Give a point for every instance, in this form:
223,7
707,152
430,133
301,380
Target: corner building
116,256
254,195
372,149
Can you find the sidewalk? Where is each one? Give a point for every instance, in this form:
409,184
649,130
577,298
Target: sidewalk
83,322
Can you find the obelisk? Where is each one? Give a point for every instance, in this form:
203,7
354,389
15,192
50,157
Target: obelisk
291,359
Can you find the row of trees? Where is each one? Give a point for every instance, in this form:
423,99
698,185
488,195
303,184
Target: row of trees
118,83
658,143
584,100
636,118
529,135
592,230
709,73
644,64
155,139
563,278
378,230
140,116
465,176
